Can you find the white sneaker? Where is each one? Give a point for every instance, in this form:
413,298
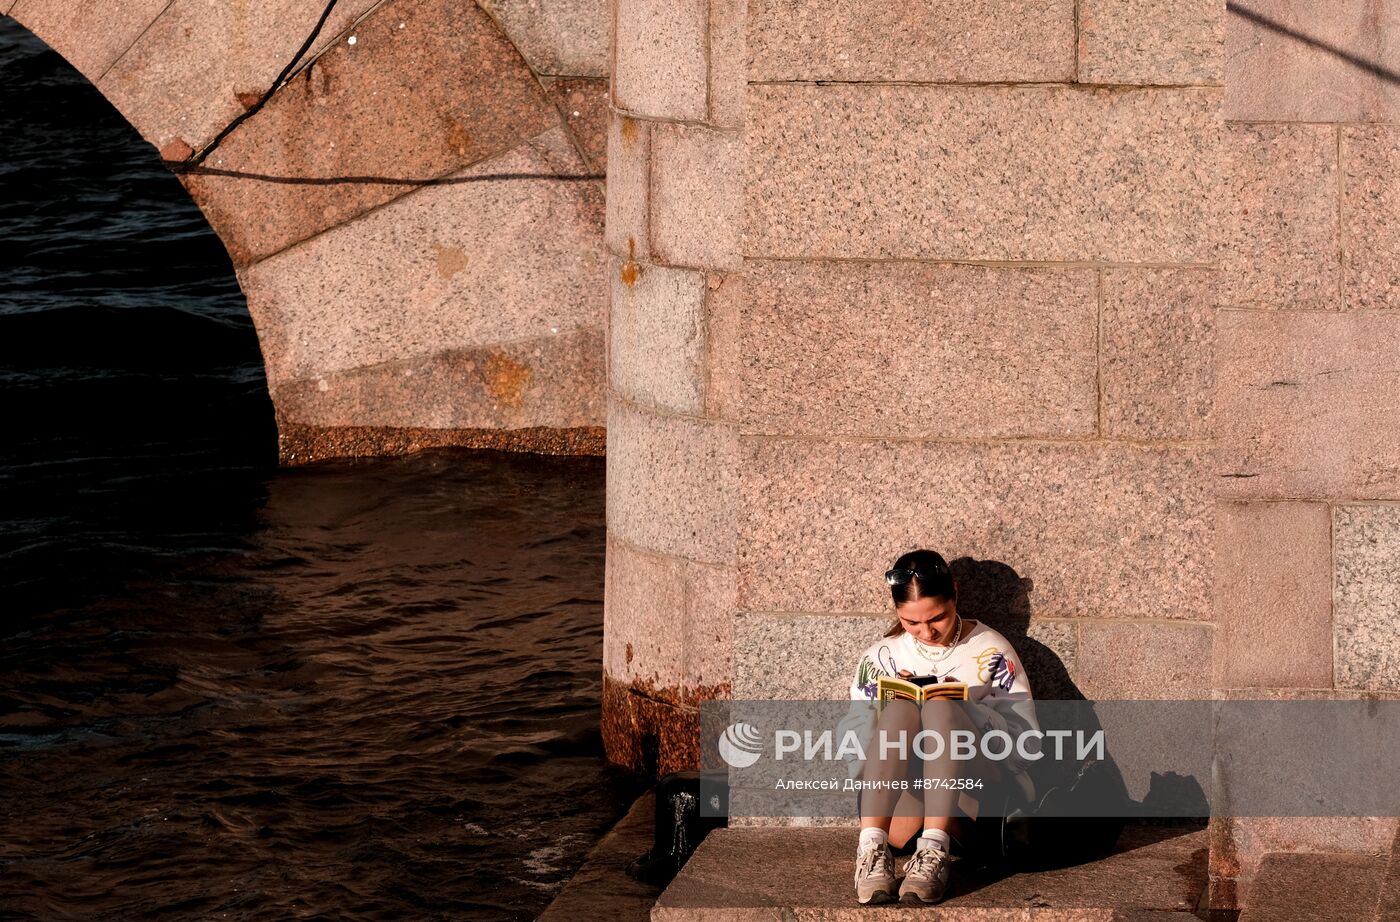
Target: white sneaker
925,876
875,875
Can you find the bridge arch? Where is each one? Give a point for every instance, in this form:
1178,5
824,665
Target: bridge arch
414,212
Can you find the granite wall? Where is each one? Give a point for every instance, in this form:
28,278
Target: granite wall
1308,395
415,217
876,289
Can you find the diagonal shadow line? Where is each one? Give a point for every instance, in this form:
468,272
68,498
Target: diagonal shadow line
182,166
1371,67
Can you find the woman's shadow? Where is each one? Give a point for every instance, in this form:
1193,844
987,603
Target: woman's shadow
1082,808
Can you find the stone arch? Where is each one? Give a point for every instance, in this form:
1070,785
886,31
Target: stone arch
440,282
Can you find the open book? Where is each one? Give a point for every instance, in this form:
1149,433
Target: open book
918,689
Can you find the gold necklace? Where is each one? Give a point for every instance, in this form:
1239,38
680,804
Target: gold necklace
923,650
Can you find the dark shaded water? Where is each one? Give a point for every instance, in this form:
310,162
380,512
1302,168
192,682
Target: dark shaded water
229,690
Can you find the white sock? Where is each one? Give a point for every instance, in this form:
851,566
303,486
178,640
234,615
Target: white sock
935,838
873,835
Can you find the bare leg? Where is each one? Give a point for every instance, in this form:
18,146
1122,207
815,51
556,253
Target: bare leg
886,809
941,801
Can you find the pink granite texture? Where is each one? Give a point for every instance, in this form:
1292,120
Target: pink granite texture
942,41
91,37
696,196
1302,888
1282,242
583,102
657,336
1273,592
347,117
1306,67
916,350
1366,542
1307,405
729,76
661,63
983,173
1146,42
629,180
673,483
1240,844
558,37
1144,660
448,267
667,624
551,380
1371,215
1101,530
1157,353
724,339
183,76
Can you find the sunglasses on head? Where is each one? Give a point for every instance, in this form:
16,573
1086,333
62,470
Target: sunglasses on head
899,576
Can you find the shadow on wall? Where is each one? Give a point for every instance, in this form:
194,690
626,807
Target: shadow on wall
991,591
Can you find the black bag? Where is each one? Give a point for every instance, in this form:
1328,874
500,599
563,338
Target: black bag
1069,823
680,827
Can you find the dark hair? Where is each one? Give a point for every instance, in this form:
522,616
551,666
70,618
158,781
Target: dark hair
936,583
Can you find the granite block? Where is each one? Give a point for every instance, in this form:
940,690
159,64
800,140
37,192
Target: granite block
90,37
729,71
656,346
1145,42
696,196
182,77
1307,404
1307,62
553,380
939,41
1367,551
830,647
1273,591
558,37
1158,353
583,102
661,65
672,483
644,620
1050,652
724,386
1144,660
1099,530
646,735
1304,888
368,110
711,594
933,351
629,182
1282,245
1370,205
983,173
450,266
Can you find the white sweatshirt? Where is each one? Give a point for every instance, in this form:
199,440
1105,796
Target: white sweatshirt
982,659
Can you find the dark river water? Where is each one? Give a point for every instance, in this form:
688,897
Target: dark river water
363,689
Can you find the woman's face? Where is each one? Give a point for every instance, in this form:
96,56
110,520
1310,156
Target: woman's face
929,620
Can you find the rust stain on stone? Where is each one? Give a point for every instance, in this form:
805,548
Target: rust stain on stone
450,260
630,273
299,444
629,654
176,150
506,379
629,129
245,99
458,139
